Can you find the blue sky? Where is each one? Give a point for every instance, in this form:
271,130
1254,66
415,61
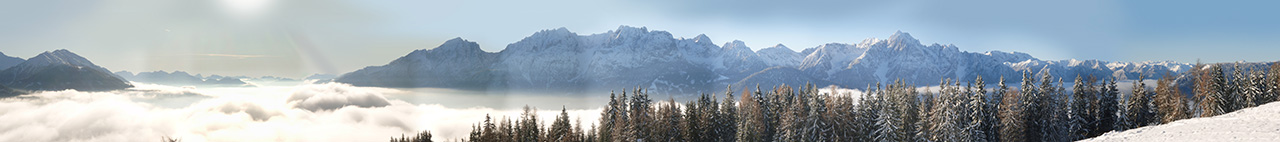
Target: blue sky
294,38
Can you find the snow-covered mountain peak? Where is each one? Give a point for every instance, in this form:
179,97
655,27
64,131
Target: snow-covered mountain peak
779,47
553,33
868,42
624,32
627,35
780,55
625,28
702,38
904,37
60,56
736,45
458,45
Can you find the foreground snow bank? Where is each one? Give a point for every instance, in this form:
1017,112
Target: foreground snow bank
1260,123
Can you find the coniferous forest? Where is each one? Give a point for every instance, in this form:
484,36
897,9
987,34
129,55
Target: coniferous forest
1039,108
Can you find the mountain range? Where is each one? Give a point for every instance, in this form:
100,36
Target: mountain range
559,60
180,78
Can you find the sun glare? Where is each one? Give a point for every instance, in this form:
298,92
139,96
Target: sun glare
246,8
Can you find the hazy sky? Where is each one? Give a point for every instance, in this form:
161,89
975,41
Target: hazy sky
295,38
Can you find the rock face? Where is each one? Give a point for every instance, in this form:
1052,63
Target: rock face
60,70
7,61
628,57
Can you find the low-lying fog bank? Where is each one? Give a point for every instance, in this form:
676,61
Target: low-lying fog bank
308,112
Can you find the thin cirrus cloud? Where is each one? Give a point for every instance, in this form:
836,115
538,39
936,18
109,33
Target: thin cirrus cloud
237,56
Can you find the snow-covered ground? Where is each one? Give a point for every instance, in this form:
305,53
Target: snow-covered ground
1260,123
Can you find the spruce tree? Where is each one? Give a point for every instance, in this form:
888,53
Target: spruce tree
1232,96
1079,116
1033,108
608,117
666,126
1257,88
696,123
528,129
866,115
560,129
1108,106
1272,84
728,122
984,113
1139,105
1060,123
641,117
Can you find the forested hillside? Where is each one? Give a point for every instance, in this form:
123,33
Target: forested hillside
1041,108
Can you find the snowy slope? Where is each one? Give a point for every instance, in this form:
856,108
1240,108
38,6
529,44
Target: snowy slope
780,55
826,59
1260,123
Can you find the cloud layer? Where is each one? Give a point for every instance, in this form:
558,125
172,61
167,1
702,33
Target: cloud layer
316,112
332,96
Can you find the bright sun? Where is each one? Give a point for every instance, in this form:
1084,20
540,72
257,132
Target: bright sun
245,8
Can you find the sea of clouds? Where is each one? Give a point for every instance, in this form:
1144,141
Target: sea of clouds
306,113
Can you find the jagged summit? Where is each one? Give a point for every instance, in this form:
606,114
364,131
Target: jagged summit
736,45
549,34
902,40
901,36
630,29
458,45
701,38
628,33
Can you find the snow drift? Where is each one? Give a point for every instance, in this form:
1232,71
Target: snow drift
1260,123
